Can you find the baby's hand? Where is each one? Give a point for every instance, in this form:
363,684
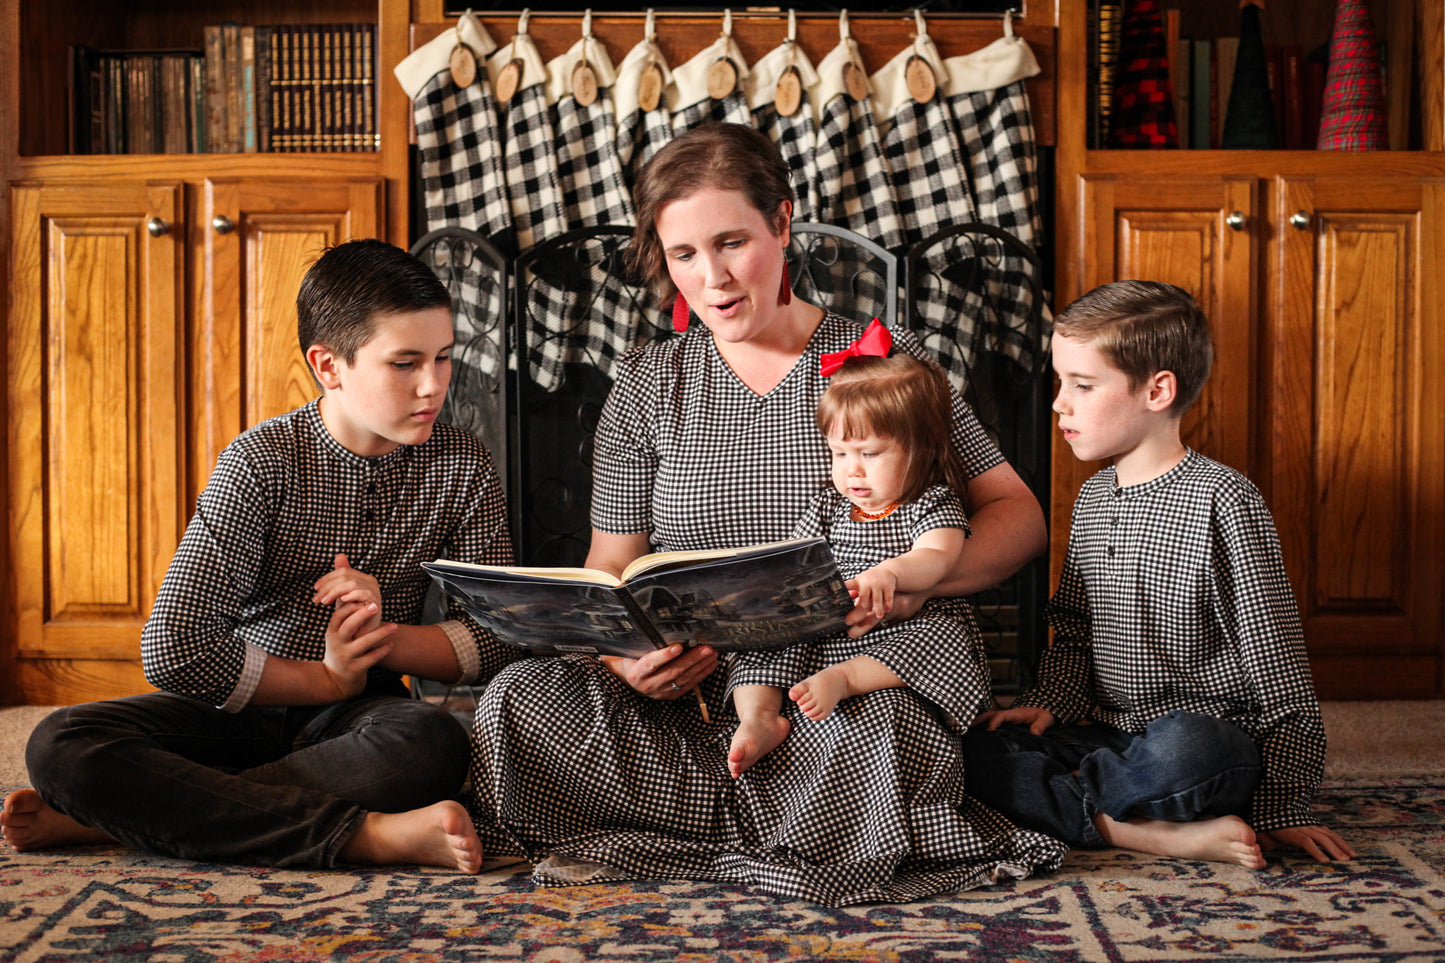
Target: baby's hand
873,591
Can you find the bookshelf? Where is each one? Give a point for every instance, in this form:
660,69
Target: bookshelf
1318,271
149,319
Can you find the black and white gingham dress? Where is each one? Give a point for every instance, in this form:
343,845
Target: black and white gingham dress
573,765
1173,596
938,653
284,499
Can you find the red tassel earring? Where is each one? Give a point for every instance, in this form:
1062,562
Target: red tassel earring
679,314
785,292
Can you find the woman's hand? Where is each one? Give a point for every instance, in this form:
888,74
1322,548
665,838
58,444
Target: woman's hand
667,673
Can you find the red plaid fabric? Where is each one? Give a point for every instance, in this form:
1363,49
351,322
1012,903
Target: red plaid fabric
1143,114
1353,116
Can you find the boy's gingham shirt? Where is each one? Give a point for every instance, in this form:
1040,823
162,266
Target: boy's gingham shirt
284,499
1173,596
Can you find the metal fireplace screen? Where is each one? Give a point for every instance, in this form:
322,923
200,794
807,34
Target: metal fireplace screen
537,337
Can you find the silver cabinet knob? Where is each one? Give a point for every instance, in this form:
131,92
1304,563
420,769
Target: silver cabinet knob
157,227
1235,220
1299,220
223,224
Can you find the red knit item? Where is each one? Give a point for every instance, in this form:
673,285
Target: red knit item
1353,116
1143,112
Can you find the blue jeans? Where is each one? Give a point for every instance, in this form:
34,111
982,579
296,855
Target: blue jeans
268,786
1185,766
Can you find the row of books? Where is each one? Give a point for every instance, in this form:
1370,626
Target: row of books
1201,74
136,102
282,88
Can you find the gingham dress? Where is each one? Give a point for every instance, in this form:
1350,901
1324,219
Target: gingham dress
1174,596
938,653
572,765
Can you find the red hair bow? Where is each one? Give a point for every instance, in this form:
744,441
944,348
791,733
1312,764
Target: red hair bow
875,343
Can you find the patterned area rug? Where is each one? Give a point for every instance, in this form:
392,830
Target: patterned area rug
116,905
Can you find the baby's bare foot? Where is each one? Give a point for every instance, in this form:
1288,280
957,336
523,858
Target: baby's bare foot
1226,839
754,739
819,693
439,835
29,823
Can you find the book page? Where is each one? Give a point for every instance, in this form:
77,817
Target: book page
593,576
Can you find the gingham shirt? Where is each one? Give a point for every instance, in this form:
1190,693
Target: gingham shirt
1174,596
690,454
284,499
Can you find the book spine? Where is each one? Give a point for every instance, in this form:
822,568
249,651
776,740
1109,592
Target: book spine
281,89
215,89
1184,56
248,89
174,68
263,88
1202,88
197,91
1292,134
231,42
1111,24
371,139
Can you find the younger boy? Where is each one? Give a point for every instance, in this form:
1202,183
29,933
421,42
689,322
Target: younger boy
1174,712
283,734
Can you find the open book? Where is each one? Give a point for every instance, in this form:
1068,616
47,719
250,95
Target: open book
761,597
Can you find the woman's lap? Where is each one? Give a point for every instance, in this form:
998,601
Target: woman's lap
867,805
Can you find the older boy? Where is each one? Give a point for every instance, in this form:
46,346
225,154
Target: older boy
1174,712
283,734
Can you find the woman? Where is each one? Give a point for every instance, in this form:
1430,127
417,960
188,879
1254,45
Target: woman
607,767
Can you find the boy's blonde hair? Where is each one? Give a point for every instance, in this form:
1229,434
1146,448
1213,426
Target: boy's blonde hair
902,398
1142,328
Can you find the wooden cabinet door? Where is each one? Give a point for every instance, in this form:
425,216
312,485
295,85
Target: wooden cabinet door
255,238
1353,447
1203,234
96,405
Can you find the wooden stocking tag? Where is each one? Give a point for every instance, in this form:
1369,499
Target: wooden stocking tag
722,78
854,81
789,94
463,65
584,84
509,78
922,85
649,87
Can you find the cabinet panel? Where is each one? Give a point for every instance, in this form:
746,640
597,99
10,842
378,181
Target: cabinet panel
96,414
246,311
1354,458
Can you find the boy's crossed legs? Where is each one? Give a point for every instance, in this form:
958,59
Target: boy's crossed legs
1178,790
358,781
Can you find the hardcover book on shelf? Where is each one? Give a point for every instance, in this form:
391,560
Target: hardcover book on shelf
215,54
262,98
1201,89
248,89
762,597
231,75
366,63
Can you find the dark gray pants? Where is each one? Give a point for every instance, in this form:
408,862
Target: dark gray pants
268,786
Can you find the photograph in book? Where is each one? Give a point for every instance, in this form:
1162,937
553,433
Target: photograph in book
761,597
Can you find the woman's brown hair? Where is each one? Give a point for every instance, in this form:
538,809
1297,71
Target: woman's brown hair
729,157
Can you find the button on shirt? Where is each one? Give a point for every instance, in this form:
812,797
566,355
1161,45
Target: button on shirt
1173,596
284,499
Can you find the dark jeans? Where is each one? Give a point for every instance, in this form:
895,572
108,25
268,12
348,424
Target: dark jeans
278,787
1185,766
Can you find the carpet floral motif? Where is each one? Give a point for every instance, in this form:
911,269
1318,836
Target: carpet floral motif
117,905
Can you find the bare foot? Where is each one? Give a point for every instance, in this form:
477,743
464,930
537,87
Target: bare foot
1225,839
754,739
29,823
439,835
819,693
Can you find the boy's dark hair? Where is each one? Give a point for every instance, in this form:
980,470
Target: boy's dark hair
903,398
1142,328
352,283
728,157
